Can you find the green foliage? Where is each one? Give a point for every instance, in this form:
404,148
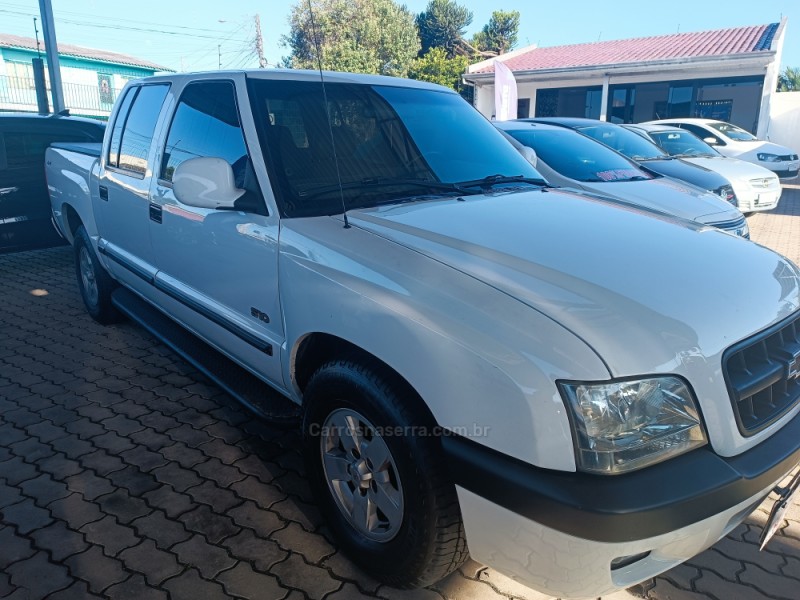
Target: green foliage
357,36
436,67
499,35
442,25
789,80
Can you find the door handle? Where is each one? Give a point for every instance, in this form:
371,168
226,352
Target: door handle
103,193
155,212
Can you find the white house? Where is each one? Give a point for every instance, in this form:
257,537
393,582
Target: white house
727,74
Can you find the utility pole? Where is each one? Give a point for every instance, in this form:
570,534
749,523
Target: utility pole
219,56
51,48
262,62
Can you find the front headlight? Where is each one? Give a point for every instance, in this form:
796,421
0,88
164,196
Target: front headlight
764,157
627,425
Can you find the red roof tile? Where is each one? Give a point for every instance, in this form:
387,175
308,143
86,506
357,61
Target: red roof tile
720,42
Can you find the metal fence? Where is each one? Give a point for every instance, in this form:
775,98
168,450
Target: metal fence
19,93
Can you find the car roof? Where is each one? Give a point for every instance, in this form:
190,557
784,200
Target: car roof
523,124
651,127
572,122
690,120
297,75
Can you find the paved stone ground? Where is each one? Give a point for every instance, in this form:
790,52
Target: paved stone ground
124,474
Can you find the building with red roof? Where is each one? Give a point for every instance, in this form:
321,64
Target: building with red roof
727,74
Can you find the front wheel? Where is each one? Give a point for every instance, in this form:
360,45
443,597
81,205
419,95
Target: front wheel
94,281
378,473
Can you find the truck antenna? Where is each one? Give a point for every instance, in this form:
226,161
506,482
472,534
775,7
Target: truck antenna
327,114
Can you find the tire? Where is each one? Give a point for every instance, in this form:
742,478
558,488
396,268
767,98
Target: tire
413,534
94,281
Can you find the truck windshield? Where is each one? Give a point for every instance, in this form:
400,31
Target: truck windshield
390,143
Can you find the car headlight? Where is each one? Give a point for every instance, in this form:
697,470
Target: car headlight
627,425
764,157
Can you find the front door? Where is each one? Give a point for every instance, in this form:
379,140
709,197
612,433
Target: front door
218,268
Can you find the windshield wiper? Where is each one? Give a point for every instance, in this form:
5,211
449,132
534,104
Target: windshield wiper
646,158
370,183
491,180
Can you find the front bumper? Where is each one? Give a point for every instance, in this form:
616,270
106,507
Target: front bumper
558,532
757,200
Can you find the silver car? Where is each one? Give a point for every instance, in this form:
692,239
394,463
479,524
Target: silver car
568,158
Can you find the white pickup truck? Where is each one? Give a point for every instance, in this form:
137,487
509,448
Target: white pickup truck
578,393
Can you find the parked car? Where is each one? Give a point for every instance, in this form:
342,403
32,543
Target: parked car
567,157
757,189
25,219
579,392
735,142
647,154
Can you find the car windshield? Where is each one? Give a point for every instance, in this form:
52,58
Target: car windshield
682,143
578,157
390,144
624,141
733,132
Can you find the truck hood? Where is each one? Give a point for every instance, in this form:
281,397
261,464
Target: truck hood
646,291
732,168
670,196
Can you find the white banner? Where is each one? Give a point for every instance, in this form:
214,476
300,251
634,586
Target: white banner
505,93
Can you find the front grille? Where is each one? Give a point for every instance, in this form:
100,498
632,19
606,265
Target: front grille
788,157
763,182
736,227
763,375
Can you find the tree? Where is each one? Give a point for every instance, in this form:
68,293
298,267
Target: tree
789,80
436,67
499,35
357,36
443,24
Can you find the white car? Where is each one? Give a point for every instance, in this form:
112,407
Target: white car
757,189
735,142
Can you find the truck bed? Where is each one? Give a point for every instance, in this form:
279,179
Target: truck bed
87,148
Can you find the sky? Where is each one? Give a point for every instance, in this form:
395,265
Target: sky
204,34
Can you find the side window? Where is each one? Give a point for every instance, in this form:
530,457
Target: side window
206,123
116,134
701,132
139,126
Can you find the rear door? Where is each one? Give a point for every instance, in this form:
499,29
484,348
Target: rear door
123,209
24,202
218,269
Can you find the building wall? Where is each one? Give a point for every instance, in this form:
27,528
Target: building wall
784,125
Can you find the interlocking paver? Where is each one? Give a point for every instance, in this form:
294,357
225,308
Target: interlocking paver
189,584
171,502
208,558
16,470
213,526
123,506
96,569
312,546
180,478
243,581
156,565
13,547
26,516
89,485
76,511
77,591
59,540
165,532
38,577
263,553
316,582
135,588
109,534
214,470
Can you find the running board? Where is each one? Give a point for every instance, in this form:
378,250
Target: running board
248,389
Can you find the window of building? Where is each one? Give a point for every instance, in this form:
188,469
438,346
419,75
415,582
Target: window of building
569,102
523,108
137,133
206,123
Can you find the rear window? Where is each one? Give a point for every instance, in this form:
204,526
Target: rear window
25,148
134,127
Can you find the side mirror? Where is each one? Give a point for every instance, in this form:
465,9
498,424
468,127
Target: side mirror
205,182
711,141
530,155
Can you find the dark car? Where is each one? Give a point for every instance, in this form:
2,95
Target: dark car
25,218
646,153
